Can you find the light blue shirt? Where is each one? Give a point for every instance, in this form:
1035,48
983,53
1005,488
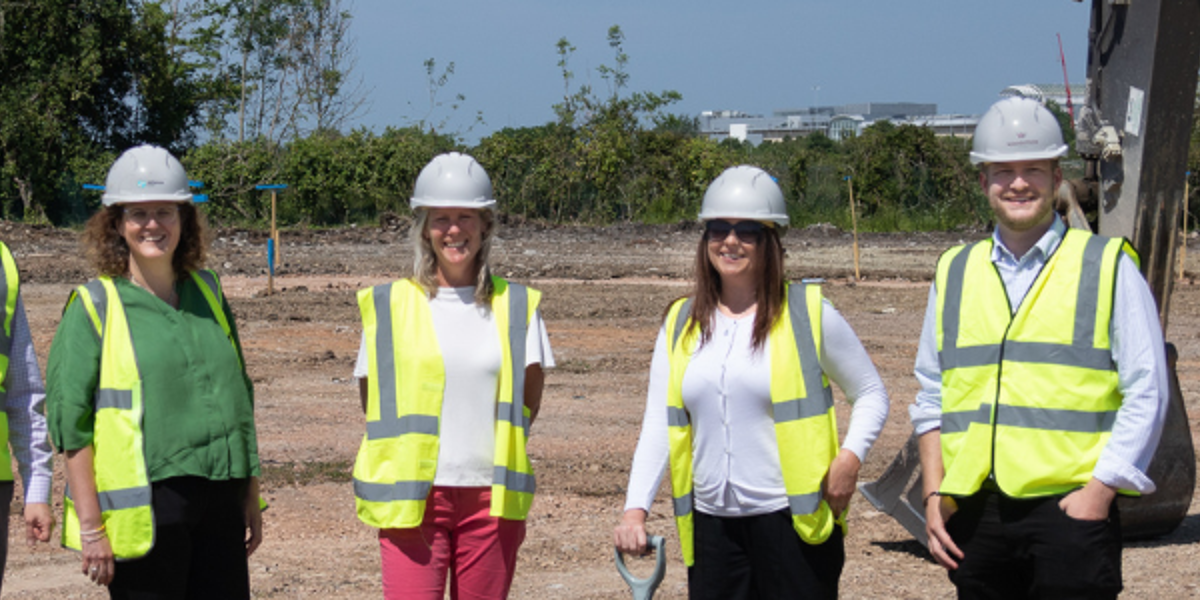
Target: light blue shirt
1137,350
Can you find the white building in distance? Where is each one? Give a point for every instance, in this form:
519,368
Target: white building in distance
841,122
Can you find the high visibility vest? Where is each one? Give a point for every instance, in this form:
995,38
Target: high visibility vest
119,458
1031,397
12,284
802,406
397,461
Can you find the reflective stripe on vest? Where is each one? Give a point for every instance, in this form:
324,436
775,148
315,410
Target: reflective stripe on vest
802,406
12,283
1040,382
397,461
119,461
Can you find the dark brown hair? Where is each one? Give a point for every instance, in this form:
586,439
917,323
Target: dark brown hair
769,283
106,249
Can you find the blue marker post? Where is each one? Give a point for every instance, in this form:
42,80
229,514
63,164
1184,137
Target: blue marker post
198,198
273,245
853,223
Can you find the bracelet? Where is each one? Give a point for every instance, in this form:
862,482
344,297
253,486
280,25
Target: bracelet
99,529
94,535
931,495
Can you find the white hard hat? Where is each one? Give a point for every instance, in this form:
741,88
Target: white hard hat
1016,129
744,192
146,174
453,180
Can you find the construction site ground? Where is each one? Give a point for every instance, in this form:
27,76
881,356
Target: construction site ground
605,292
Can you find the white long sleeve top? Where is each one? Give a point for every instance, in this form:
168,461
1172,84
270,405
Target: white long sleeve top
1137,350
25,408
726,390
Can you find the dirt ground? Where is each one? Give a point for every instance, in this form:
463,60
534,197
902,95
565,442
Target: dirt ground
605,290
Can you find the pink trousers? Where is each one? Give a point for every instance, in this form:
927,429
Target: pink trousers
457,537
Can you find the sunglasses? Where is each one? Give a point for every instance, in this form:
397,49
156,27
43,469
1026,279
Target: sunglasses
748,232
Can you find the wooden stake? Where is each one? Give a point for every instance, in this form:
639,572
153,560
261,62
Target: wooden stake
1183,250
854,224
271,260
275,232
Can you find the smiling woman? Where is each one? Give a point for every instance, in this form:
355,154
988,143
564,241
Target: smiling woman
740,411
148,396
450,380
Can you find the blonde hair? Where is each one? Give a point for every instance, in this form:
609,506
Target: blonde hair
425,259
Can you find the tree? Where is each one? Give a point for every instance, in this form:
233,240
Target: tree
435,83
1064,123
327,91
67,68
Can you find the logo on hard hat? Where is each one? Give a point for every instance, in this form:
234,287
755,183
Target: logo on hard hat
143,183
1020,135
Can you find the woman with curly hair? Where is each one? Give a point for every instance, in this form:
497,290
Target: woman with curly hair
149,399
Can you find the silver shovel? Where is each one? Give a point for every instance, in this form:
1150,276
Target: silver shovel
643,589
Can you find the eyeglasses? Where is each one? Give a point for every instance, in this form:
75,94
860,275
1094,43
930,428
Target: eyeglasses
748,232
164,215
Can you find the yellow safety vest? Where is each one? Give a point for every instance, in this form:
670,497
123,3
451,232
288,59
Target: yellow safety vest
119,460
802,405
12,284
1031,397
397,461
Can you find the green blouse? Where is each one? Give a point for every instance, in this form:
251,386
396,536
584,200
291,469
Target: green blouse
199,402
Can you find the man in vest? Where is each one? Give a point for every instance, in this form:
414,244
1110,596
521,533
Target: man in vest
1043,384
23,420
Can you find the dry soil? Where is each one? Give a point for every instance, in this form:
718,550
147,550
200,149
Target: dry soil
605,290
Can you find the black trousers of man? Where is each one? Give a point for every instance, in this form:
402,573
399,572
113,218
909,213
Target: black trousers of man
1029,548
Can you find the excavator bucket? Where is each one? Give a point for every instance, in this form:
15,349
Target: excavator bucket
898,491
1173,470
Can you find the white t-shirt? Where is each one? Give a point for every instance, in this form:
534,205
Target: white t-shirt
470,347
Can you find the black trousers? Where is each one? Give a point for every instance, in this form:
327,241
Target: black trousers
199,544
743,558
6,496
1031,549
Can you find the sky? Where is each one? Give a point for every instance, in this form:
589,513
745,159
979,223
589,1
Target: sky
756,56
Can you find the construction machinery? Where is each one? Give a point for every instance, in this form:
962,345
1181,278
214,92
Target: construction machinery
1133,135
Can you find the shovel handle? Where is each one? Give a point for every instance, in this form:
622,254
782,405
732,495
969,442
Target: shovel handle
643,589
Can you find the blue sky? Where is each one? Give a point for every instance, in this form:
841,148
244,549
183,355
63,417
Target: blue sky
754,56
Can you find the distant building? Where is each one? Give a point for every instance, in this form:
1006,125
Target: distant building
845,126
837,122
873,111
848,120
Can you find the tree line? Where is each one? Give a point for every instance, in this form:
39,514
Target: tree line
259,91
